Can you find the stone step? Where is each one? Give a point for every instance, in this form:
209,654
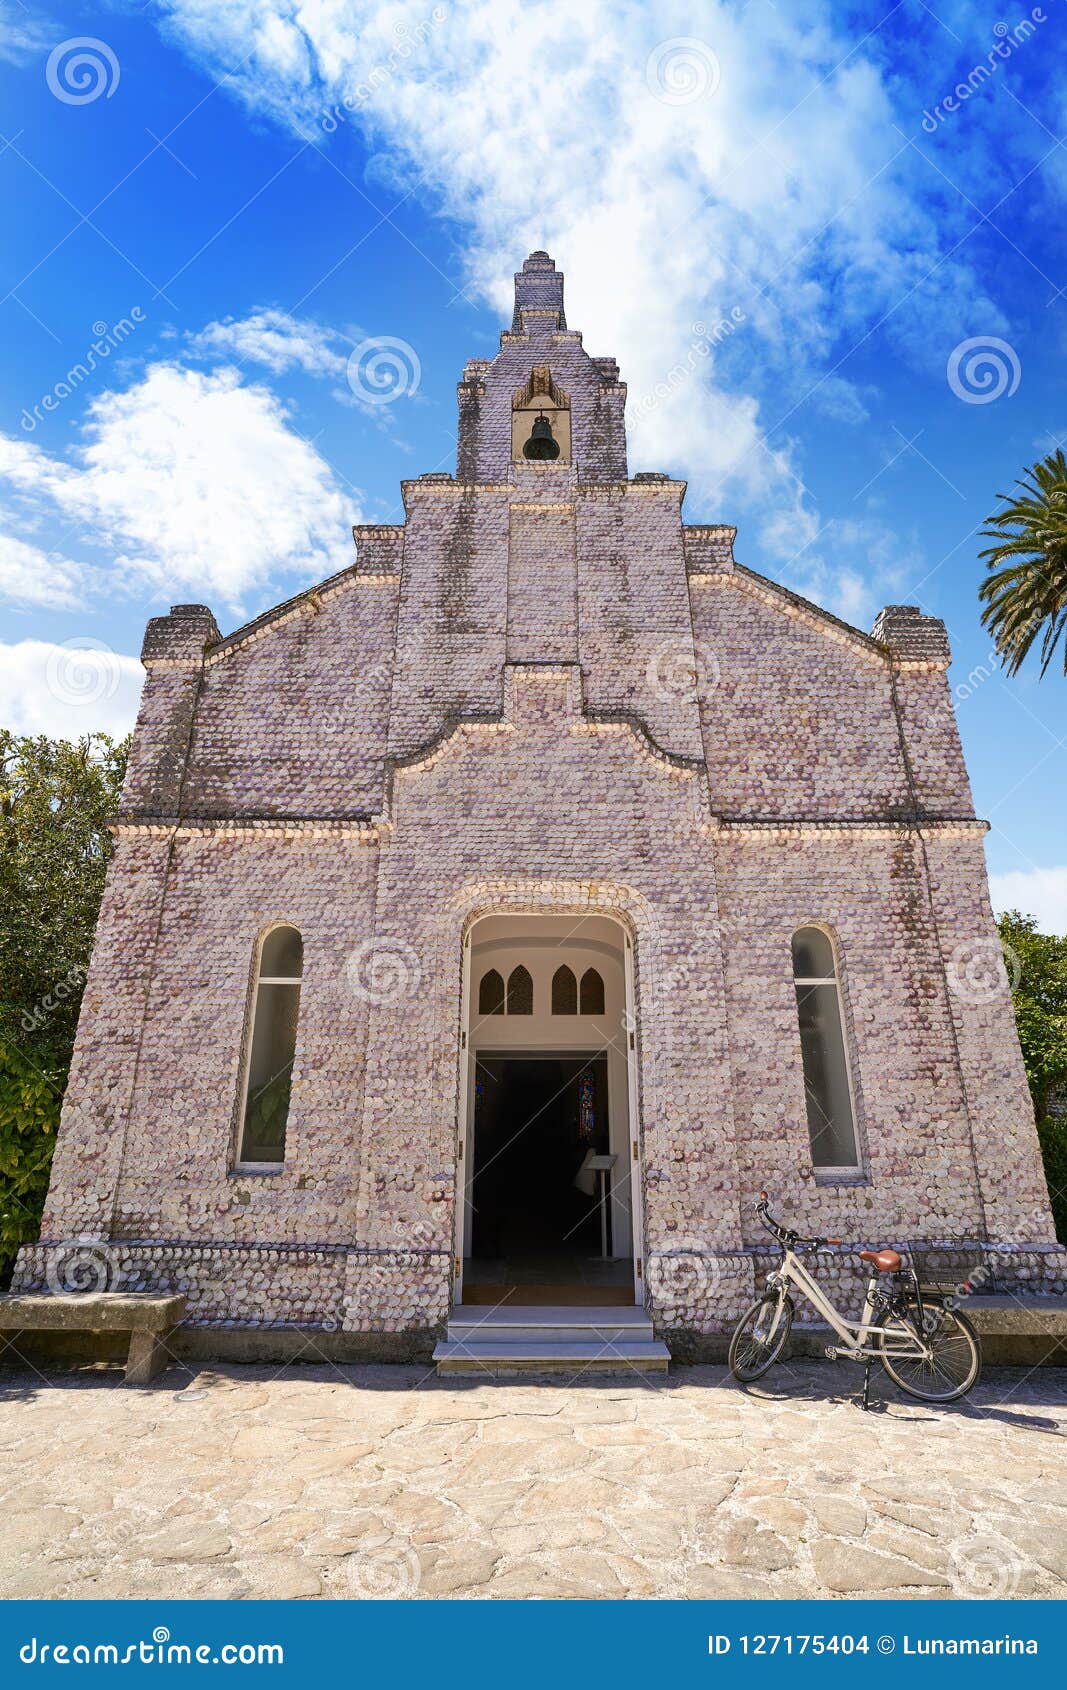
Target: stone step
533,1325
559,1355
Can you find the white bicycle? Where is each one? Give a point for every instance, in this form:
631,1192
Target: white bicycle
929,1349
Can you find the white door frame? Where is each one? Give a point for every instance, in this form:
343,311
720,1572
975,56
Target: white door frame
465,1101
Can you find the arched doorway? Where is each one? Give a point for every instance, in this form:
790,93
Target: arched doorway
551,1198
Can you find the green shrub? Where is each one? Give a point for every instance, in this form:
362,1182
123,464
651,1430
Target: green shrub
1038,967
56,799
1052,1133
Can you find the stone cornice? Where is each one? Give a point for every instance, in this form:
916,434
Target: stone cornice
881,827
309,827
369,828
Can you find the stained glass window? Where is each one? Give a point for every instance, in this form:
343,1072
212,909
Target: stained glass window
586,1108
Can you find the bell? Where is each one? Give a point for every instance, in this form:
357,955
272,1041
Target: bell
541,444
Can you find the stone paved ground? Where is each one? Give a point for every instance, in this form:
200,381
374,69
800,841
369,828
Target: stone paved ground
363,1481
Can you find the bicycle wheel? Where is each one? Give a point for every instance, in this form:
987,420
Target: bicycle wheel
759,1337
953,1362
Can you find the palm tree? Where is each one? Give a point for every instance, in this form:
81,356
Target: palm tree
1027,589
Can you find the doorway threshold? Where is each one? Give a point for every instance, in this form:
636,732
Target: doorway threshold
567,1295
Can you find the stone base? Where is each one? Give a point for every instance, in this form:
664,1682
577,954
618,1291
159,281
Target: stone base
379,1294
302,1344
197,1346
333,1288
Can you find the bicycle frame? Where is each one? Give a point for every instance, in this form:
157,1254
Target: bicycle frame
853,1333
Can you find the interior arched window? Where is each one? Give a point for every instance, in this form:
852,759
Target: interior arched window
520,992
592,993
272,1046
491,994
827,1087
564,992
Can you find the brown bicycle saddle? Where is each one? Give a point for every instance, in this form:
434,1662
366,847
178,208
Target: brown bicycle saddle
886,1261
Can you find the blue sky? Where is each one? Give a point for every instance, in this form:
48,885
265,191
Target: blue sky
231,200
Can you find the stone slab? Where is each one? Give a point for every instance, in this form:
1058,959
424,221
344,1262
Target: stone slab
90,1311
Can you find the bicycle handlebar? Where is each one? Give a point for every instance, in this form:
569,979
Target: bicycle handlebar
785,1235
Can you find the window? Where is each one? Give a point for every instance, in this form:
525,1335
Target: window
275,1008
520,992
592,993
827,1089
564,992
491,994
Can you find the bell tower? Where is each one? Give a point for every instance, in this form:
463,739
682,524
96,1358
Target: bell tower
542,399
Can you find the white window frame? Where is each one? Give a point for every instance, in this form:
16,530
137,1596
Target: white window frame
829,1171
240,1166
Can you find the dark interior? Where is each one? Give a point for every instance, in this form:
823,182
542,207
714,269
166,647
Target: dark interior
534,1120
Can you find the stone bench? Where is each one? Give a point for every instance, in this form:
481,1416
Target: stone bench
148,1318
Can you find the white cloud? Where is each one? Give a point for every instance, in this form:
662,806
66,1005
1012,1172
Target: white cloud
29,575
363,370
278,342
21,36
777,188
850,565
194,482
67,690
1040,892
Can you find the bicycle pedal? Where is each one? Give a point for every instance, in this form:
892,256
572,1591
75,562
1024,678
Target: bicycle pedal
831,1353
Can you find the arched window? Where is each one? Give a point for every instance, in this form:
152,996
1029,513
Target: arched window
491,994
520,992
564,992
827,1089
592,993
275,1008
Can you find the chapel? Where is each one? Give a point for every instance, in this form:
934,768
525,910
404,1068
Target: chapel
489,924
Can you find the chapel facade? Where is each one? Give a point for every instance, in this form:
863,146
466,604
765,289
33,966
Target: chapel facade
498,918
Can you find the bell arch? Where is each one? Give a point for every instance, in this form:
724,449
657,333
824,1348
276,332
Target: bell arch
541,419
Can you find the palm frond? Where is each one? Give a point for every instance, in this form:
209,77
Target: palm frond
1024,597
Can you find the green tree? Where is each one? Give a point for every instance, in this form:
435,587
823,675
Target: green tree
1040,1000
56,799
1026,589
